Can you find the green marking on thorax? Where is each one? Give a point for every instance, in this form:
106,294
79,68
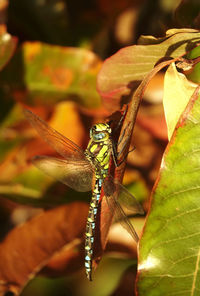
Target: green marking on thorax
93,147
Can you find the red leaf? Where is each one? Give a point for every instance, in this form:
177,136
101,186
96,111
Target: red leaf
29,247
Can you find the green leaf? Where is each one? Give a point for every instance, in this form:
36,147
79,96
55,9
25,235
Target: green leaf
34,188
125,69
138,189
10,137
195,74
44,74
109,268
169,249
177,92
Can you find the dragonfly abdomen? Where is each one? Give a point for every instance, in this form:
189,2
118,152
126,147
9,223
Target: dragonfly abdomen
90,227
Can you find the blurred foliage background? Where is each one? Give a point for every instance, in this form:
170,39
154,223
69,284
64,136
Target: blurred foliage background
50,65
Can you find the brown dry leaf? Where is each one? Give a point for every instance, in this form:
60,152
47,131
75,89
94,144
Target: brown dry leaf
67,261
29,247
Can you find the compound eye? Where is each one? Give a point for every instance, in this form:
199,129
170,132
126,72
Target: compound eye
99,136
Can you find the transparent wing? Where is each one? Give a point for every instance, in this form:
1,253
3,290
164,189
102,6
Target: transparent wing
117,196
77,175
57,141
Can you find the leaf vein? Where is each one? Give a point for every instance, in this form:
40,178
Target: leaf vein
195,274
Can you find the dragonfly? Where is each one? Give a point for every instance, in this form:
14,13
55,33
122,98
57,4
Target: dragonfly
84,171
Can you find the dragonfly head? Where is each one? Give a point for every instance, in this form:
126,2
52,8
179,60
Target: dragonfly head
100,132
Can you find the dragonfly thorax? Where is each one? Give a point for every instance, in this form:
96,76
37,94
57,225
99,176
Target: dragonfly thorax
99,148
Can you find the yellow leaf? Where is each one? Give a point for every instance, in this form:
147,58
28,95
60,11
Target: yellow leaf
177,92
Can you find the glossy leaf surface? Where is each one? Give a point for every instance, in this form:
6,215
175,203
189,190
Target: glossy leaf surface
169,249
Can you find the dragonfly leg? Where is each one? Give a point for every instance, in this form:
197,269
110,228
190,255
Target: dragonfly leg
121,120
116,154
124,158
